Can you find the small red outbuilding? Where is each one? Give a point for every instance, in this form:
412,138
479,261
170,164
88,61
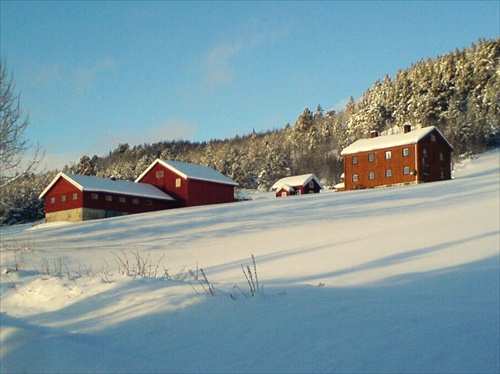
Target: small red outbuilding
297,185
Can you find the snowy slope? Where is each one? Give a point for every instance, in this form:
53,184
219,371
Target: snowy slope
403,279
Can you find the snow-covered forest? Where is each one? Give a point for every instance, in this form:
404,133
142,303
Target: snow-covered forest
458,92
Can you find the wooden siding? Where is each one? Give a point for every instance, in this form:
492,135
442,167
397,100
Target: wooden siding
207,193
122,203
63,188
379,166
306,189
165,179
434,164
372,169
283,192
190,192
61,198
300,189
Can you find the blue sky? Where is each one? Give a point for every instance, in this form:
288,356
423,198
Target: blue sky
95,74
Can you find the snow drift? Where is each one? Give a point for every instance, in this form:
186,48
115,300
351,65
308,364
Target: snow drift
402,279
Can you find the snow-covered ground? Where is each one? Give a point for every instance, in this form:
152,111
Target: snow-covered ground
402,279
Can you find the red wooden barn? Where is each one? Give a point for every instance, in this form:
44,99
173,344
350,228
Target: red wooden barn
297,185
74,198
423,155
189,184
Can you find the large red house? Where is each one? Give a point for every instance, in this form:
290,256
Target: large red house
71,197
189,184
297,185
423,155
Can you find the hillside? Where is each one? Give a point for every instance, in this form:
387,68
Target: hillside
402,279
457,92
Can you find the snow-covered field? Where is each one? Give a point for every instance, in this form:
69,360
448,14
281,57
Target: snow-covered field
402,279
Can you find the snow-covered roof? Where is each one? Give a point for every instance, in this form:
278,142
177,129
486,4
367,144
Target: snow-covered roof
381,142
339,186
286,187
191,171
106,185
298,180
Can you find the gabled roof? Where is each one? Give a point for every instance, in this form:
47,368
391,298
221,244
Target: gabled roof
285,187
381,142
298,180
105,185
191,171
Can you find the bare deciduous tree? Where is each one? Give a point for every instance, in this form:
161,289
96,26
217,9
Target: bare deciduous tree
13,145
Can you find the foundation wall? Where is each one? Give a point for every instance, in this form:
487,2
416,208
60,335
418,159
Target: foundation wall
77,215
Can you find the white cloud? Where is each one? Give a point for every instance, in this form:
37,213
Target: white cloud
84,77
174,129
53,161
340,105
57,155
218,65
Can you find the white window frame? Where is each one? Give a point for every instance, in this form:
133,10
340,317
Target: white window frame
371,175
63,198
178,182
354,160
406,170
371,157
388,155
388,173
406,152
355,177
75,196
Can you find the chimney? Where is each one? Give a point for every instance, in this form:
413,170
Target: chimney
407,128
373,134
